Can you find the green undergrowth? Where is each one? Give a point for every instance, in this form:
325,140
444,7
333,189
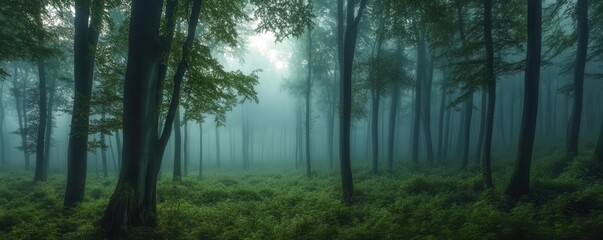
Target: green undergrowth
566,202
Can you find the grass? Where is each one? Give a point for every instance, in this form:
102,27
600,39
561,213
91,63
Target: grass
566,202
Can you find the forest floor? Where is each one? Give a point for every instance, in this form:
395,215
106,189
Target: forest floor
566,202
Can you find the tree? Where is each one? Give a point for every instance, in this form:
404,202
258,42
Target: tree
519,183
87,23
599,148
573,128
491,78
41,167
133,203
349,44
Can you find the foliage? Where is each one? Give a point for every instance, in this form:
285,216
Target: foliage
411,203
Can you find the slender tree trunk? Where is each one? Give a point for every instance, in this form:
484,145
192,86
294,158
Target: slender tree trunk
113,156
482,126
185,148
104,152
177,175
200,150
447,134
427,69
466,134
486,168
84,50
308,88
49,124
349,45
218,163
418,98
519,184
41,174
2,127
573,129
19,93
375,130
443,113
392,124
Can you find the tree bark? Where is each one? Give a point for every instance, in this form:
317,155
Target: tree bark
119,150
218,163
84,50
49,123
41,171
573,129
418,98
519,184
392,117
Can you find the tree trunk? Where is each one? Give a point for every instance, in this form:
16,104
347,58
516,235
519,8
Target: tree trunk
447,123
466,129
200,150
177,174
375,130
491,78
519,184
119,150
482,126
84,50
104,153
349,45
443,113
19,93
41,174
49,124
599,148
2,126
308,88
427,74
417,103
392,124
573,129
133,204
218,163
185,146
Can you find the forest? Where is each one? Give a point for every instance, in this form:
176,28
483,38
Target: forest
301,119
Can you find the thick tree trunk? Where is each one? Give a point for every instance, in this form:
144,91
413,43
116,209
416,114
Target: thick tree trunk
520,180
177,171
573,129
84,50
468,111
486,169
41,171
